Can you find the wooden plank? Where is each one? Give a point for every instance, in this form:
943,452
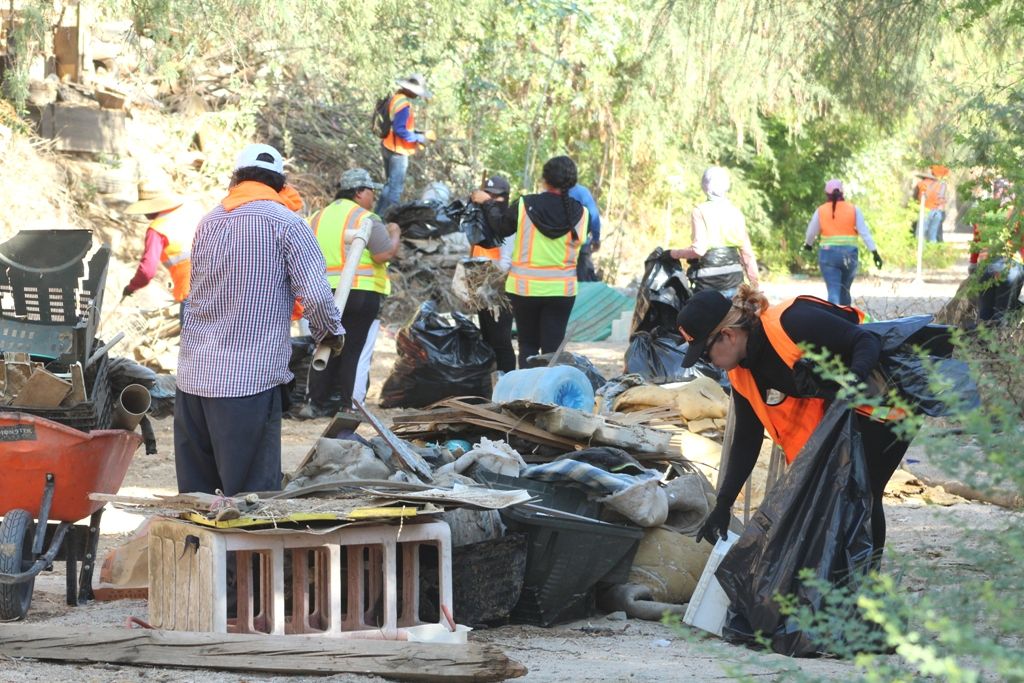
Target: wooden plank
290,655
84,129
66,50
42,390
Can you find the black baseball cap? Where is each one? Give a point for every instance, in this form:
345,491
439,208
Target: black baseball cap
496,185
698,319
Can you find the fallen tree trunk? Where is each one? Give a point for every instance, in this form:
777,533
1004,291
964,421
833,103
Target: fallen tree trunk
292,655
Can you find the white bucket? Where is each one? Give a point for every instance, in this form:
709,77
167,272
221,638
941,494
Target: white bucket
709,603
437,633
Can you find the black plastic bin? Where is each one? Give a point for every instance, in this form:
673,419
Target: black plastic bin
566,559
487,580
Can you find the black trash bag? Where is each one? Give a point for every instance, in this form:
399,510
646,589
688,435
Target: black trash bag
576,360
409,213
715,258
420,231
903,368
439,356
474,226
663,291
818,517
658,358
163,393
299,364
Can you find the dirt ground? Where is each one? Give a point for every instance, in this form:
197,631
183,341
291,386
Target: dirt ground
597,649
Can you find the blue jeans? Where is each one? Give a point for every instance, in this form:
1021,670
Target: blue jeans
395,167
933,225
838,267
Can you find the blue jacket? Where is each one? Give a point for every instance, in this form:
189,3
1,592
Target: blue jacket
583,196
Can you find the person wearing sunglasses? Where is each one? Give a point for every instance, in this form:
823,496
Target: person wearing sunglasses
759,345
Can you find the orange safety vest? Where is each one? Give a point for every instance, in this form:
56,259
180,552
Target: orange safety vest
840,229
397,103
494,253
791,422
542,266
178,227
934,192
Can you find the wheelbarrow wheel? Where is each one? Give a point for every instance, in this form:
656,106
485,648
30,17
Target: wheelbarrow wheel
16,557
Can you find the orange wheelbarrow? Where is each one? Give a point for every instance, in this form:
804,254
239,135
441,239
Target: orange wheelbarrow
47,472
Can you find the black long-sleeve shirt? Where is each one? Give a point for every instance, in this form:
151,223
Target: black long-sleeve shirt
806,322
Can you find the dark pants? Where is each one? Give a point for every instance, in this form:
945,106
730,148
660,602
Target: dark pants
331,387
498,335
540,323
883,451
231,444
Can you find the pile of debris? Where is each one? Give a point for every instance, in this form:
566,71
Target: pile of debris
432,246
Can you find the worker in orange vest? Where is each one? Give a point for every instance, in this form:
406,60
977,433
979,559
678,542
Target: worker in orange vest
760,348
172,225
935,191
839,223
492,196
403,140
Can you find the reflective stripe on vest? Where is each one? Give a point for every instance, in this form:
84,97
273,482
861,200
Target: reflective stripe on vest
542,266
396,144
791,422
494,253
178,227
720,270
839,230
330,225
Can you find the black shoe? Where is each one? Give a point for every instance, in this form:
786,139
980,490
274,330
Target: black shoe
311,411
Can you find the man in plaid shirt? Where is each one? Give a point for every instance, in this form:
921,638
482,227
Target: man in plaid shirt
252,258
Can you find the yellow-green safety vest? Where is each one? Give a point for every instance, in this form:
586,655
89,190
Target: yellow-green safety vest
330,225
542,266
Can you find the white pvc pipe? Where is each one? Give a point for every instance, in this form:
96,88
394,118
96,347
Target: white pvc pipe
920,241
131,407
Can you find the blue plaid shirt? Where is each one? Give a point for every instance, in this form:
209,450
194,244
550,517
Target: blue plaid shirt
248,267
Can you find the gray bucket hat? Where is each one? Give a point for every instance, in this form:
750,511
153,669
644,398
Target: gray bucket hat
416,84
357,177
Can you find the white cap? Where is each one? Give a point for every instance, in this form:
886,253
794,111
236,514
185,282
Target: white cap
261,156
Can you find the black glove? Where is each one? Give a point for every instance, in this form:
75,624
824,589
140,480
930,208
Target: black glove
808,247
878,259
335,343
127,291
716,525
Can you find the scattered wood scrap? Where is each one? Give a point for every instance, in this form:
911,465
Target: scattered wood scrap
289,655
551,426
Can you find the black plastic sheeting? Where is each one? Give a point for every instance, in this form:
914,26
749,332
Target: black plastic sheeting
663,291
439,356
818,516
905,370
658,358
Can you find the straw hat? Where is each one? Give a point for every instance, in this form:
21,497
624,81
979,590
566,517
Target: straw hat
153,200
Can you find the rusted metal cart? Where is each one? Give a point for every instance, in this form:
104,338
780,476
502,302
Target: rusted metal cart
47,471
